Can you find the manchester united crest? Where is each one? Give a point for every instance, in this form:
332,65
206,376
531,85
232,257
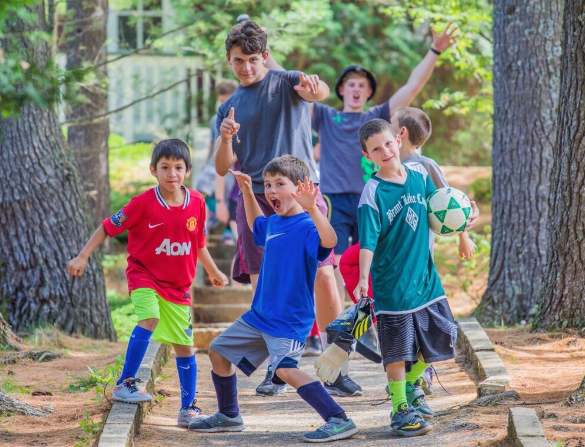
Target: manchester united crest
191,223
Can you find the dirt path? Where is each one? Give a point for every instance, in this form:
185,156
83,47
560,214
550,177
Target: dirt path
281,420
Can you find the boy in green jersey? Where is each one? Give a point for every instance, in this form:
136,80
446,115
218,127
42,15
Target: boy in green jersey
415,323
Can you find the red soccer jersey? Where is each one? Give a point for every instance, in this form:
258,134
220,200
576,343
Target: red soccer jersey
162,242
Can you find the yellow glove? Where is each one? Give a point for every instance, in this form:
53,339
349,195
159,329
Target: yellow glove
332,362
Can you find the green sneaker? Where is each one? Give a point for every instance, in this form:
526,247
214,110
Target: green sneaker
416,398
408,422
218,422
333,430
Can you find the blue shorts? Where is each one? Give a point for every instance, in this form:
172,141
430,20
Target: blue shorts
343,218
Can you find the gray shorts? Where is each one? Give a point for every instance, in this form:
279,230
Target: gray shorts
247,348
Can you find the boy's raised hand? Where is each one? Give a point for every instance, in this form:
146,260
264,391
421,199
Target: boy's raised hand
308,83
229,127
244,181
306,194
443,41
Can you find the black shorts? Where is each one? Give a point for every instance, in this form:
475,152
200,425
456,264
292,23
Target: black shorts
430,332
232,204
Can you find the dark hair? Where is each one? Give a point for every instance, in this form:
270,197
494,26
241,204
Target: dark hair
416,122
171,148
226,87
248,36
288,165
371,128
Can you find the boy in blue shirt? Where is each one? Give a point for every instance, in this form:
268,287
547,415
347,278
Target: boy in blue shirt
282,311
415,323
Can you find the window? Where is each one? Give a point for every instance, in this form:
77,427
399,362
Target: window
140,26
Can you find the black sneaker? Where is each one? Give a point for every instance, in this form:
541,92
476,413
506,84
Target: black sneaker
269,388
343,386
408,422
415,396
313,347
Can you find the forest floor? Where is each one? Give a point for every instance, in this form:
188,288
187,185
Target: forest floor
545,369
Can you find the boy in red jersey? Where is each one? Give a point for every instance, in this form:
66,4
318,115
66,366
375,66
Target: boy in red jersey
166,236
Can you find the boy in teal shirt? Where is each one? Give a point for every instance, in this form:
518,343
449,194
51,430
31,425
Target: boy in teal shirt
415,323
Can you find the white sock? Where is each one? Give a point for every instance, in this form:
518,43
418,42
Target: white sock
324,343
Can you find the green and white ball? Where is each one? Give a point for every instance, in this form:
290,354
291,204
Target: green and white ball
448,210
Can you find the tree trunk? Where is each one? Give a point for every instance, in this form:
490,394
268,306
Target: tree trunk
44,220
85,33
562,302
526,78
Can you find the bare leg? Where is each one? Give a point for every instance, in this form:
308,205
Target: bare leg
327,302
339,280
220,365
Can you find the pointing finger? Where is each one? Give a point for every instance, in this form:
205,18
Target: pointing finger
232,113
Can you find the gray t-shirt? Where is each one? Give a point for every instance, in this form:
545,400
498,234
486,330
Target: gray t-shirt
344,169
274,120
213,128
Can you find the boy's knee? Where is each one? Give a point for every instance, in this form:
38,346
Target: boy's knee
149,324
284,374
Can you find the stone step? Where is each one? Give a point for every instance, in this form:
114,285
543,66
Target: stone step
204,333
227,295
219,251
213,313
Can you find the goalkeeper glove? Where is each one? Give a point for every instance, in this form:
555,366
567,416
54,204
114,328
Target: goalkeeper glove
332,362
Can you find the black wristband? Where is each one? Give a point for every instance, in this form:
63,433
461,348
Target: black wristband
437,52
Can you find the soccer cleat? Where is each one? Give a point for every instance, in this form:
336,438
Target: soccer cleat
333,430
189,414
128,392
416,398
408,422
217,423
343,387
268,388
313,347
426,381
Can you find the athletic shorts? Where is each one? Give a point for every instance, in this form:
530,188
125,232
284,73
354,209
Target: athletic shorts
174,320
248,255
343,218
247,348
430,332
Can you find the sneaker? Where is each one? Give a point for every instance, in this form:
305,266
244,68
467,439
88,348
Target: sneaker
416,398
227,238
189,414
218,422
408,422
343,386
334,429
128,392
313,347
268,388
426,381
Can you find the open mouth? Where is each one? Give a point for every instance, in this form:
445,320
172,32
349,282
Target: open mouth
275,204
356,97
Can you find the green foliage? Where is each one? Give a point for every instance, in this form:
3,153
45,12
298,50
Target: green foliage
123,316
481,189
90,429
110,262
11,386
82,384
105,378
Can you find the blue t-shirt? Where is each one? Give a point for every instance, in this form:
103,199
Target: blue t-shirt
274,120
283,304
343,168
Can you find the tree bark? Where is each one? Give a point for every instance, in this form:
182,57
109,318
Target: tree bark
44,219
526,77
562,302
85,42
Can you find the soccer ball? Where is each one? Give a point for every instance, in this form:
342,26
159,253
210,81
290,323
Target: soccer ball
448,210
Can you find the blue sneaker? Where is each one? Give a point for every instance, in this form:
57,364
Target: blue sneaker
333,430
408,422
416,398
218,423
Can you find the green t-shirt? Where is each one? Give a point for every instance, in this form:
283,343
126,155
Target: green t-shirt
393,223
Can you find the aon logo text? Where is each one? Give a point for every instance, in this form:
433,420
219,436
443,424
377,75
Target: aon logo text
174,249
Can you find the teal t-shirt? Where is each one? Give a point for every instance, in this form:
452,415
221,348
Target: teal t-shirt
393,223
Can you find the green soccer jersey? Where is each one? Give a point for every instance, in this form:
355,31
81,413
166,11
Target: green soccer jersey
393,223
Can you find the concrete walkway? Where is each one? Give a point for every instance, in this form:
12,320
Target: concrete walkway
281,420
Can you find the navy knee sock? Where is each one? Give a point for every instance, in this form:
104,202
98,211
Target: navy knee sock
187,368
137,346
227,394
316,396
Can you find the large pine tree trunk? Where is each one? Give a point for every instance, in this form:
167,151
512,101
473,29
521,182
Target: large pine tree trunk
563,294
526,78
85,41
44,220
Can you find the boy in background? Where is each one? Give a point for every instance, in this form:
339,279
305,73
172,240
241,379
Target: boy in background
166,236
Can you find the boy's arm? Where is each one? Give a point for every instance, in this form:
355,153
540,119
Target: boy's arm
224,153
307,198
221,209
466,246
76,266
423,71
216,276
311,88
252,208
366,257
